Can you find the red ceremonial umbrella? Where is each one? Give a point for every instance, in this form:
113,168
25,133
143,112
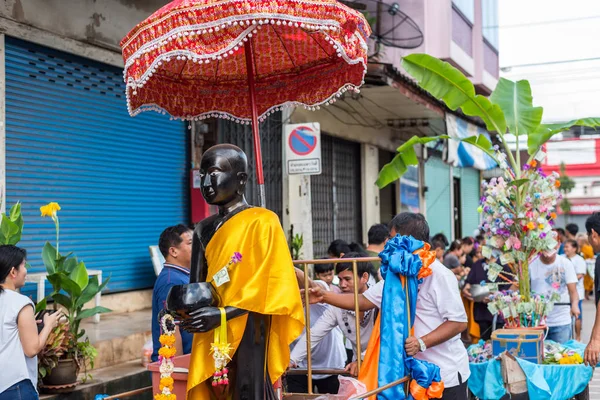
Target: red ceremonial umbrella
243,59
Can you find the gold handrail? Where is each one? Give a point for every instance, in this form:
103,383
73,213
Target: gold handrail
309,369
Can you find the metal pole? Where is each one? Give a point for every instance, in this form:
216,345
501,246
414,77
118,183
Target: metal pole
381,389
357,319
308,341
255,134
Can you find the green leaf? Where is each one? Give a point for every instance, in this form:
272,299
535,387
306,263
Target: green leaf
80,275
41,305
63,300
536,139
447,83
481,142
406,156
90,312
519,182
15,212
516,102
91,290
70,264
49,256
61,281
9,230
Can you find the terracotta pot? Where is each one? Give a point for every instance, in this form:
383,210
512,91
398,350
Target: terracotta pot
65,373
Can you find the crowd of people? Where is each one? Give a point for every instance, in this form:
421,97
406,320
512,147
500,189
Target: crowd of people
449,306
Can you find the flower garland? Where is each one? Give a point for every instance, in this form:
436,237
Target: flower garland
555,353
220,350
166,354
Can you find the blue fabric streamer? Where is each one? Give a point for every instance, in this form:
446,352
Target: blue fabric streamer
397,259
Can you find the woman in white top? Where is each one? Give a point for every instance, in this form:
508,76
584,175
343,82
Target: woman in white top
19,339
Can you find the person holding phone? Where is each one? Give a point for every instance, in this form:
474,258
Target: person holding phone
20,341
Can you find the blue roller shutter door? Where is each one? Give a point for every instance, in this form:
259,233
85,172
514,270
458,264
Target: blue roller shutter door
69,138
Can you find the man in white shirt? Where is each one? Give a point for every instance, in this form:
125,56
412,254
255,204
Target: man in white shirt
329,353
440,314
571,249
335,317
551,273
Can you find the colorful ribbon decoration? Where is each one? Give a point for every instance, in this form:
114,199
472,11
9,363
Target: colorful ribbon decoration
402,268
220,350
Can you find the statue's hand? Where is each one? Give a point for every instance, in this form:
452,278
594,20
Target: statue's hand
201,320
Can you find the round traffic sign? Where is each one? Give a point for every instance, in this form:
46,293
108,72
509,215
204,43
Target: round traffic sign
302,140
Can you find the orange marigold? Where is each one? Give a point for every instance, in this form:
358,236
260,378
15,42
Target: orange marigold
553,215
533,163
161,396
167,340
557,184
167,352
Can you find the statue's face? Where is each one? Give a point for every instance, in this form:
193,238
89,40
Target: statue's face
221,184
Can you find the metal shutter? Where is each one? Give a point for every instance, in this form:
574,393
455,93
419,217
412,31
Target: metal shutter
69,138
469,195
336,195
437,197
271,144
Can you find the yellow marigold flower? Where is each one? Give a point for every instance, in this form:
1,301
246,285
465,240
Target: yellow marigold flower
531,226
167,381
161,396
50,209
161,387
167,352
167,340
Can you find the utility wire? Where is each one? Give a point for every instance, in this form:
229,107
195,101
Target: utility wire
540,23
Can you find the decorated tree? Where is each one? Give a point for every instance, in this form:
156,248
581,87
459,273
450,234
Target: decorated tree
519,207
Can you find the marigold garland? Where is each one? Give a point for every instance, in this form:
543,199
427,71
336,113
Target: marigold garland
166,354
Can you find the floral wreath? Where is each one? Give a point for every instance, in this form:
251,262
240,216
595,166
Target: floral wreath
165,355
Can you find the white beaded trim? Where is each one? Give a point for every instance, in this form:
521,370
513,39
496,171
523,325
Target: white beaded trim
247,121
202,7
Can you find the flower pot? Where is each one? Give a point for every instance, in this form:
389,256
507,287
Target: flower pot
65,373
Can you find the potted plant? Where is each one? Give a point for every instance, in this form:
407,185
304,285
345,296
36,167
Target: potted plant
67,350
518,208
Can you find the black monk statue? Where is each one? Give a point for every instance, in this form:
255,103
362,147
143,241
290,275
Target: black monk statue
241,272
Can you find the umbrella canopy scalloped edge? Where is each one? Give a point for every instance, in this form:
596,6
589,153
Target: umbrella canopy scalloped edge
347,41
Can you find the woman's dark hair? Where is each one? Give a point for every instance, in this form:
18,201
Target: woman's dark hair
337,247
468,241
361,267
10,257
357,248
573,243
455,245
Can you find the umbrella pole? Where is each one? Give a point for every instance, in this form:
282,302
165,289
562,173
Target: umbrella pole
255,134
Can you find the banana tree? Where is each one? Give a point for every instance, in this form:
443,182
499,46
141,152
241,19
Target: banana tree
509,109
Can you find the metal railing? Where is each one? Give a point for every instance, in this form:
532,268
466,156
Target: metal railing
309,371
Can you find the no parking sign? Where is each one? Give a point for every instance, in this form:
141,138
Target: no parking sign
303,148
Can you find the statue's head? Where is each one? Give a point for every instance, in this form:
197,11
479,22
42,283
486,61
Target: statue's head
223,173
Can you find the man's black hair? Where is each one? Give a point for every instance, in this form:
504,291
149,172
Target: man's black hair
322,268
560,230
10,257
479,238
437,244
442,237
593,222
455,245
171,237
361,267
378,233
337,247
572,229
411,224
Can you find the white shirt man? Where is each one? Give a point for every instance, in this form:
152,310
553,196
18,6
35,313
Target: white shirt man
438,301
440,319
549,274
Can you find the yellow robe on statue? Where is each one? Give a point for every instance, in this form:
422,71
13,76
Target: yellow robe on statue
263,282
